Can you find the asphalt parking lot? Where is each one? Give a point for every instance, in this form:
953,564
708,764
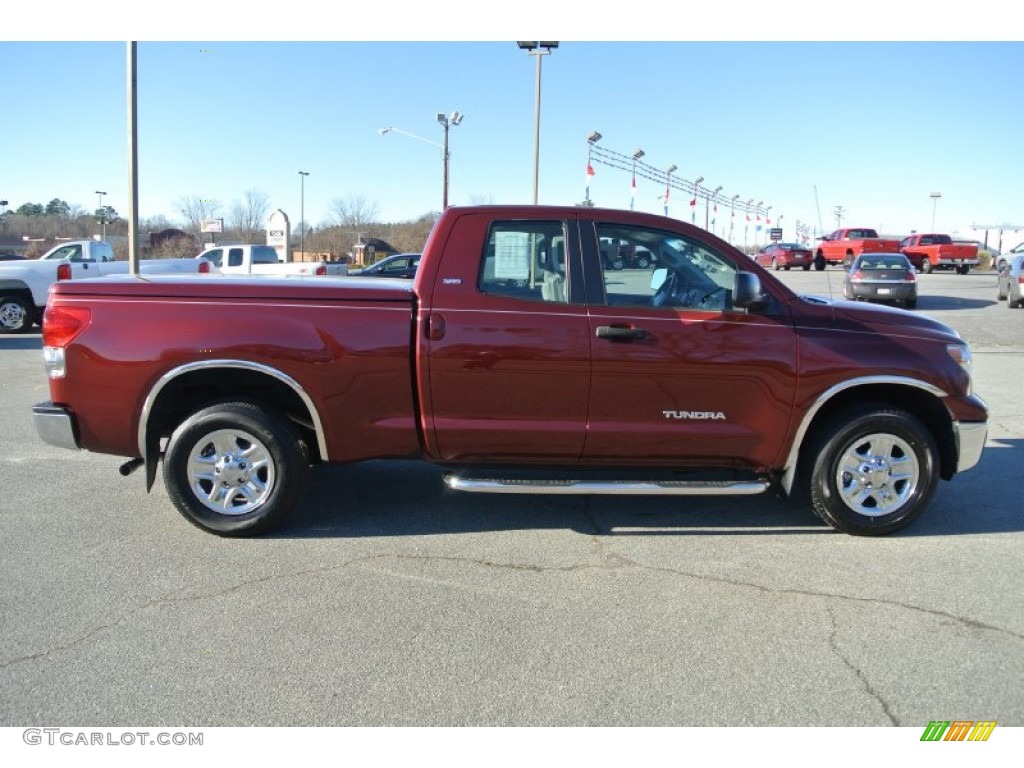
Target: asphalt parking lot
390,601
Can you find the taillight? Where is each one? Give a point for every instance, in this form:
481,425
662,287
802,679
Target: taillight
910,276
204,267
858,275
61,324
60,327
322,269
64,271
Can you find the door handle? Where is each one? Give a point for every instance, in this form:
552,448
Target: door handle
620,333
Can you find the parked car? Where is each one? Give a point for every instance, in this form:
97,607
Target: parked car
887,277
785,255
1009,283
1004,259
399,265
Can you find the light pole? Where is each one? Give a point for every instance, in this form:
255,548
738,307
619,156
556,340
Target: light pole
746,224
102,214
539,49
455,120
935,202
707,204
592,138
302,213
693,202
445,121
732,216
632,185
668,183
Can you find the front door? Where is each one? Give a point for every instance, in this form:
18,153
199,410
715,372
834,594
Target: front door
681,377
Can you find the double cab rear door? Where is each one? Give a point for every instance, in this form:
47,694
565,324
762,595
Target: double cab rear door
534,347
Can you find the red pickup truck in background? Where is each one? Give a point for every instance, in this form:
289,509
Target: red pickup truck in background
523,363
844,245
930,252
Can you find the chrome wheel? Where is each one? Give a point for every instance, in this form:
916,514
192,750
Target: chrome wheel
15,316
877,474
230,472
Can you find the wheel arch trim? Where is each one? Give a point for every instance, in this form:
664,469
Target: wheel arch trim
174,373
790,467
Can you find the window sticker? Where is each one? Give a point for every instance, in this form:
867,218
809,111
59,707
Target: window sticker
511,255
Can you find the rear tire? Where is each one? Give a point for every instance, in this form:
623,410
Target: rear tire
235,469
16,314
872,471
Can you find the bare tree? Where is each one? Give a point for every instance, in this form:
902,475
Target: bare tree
249,215
354,212
194,209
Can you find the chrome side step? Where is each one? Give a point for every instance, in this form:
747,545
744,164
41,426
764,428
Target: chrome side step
608,487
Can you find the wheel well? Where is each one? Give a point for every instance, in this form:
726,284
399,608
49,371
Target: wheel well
193,390
17,290
927,408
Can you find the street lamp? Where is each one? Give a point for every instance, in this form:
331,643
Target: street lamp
935,201
707,204
445,120
668,183
538,48
732,215
302,212
746,224
592,138
632,185
455,119
693,202
102,214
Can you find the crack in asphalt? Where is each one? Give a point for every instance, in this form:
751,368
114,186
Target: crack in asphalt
833,643
606,562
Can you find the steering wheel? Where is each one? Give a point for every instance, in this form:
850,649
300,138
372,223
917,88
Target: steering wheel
666,291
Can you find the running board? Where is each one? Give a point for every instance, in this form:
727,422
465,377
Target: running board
609,487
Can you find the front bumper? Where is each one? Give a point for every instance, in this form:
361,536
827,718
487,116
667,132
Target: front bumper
56,425
970,441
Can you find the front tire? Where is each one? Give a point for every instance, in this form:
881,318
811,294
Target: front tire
873,472
235,469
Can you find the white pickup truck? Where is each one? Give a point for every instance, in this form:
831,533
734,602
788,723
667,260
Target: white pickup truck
24,285
263,260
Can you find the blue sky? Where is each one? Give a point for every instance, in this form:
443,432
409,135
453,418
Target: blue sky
874,127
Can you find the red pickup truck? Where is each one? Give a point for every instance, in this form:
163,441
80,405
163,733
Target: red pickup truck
523,363
844,245
930,252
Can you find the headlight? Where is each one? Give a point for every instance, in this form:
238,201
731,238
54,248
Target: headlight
962,354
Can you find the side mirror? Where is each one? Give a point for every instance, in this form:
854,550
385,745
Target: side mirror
747,292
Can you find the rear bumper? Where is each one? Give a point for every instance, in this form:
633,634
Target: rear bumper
884,291
56,425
